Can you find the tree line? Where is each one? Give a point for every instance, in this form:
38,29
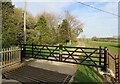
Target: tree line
45,28
105,39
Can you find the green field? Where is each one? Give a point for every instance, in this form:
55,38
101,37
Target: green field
113,47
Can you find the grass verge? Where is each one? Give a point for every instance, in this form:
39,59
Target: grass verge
86,75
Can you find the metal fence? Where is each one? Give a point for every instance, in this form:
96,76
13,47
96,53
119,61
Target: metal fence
78,55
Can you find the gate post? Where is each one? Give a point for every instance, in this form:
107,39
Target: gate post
100,54
119,38
119,68
32,49
105,58
21,46
24,49
60,52
23,52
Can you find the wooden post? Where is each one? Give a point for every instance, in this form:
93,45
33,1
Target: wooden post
119,37
9,55
3,57
19,53
60,52
100,54
116,68
108,61
119,68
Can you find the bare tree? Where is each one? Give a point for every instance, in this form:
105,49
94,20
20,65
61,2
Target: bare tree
75,24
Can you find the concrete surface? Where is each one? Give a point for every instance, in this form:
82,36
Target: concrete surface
10,81
61,67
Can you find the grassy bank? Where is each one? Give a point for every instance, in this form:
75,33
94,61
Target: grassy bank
86,75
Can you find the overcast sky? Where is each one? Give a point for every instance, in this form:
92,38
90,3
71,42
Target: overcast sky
96,23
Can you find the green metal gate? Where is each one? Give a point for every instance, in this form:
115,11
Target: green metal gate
96,57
